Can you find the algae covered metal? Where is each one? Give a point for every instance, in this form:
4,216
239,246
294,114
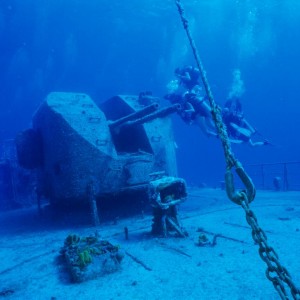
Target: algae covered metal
90,257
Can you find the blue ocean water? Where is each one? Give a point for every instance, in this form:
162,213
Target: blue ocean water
104,48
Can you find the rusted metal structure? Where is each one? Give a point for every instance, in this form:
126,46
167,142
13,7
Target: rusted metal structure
82,151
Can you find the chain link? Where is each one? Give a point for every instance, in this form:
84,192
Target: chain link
275,272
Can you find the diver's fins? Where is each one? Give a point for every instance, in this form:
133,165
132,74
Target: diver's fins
241,130
268,143
249,126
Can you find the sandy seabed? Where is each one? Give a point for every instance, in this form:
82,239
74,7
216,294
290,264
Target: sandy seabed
170,268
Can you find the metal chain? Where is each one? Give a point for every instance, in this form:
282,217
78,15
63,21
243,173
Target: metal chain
215,109
275,272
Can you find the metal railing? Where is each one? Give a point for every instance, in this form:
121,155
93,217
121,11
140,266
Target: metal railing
284,176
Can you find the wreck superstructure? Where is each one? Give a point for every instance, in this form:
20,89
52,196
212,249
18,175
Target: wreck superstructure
120,145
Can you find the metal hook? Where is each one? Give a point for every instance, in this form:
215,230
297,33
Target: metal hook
238,196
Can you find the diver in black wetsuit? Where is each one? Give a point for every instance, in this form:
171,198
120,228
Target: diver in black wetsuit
186,91
194,110
239,130
188,76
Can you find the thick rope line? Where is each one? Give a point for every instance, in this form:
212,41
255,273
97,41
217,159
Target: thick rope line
215,109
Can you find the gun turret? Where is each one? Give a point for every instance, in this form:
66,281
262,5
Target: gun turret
145,115
134,116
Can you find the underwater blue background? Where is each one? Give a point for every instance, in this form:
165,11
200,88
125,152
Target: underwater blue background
104,48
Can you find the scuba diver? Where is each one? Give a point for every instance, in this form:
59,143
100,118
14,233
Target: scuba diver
186,91
194,109
238,128
188,76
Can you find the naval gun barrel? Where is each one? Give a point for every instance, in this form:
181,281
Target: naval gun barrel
146,111
161,113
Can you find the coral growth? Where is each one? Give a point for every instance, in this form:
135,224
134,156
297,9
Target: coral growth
89,257
84,258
